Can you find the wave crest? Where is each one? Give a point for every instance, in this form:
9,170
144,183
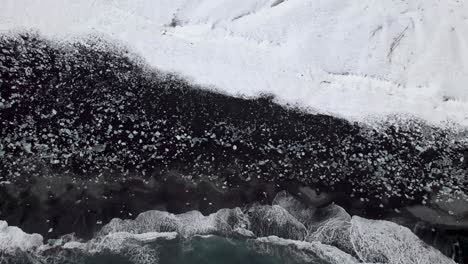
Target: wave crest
287,229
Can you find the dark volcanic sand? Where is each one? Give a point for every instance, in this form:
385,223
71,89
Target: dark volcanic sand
88,133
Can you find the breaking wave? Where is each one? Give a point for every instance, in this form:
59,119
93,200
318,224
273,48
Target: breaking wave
286,231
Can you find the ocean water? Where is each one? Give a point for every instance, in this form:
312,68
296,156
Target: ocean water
212,250
285,232
208,250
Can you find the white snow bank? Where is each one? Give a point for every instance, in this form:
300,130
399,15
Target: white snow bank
351,58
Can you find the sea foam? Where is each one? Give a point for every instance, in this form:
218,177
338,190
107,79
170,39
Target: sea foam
287,229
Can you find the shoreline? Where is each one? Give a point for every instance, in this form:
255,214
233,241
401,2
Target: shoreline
83,211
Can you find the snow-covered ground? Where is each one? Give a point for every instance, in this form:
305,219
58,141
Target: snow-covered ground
355,59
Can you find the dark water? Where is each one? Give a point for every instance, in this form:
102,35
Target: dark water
215,250
198,250
212,250
89,133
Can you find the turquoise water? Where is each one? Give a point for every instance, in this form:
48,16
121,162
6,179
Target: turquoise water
211,250
215,250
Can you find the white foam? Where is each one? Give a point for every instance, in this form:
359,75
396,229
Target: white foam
387,242
349,58
329,225
13,238
154,236
133,246
225,222
373,241
304,252
116,241
327,234
275,220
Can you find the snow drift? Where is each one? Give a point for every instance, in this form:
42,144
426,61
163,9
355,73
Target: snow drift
357,59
